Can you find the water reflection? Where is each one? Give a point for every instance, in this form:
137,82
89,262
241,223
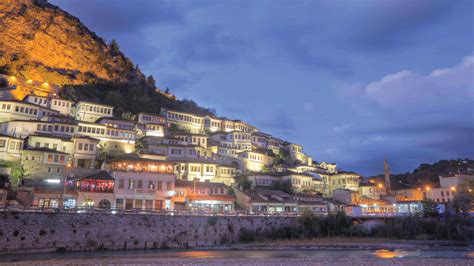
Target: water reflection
240,254
387,254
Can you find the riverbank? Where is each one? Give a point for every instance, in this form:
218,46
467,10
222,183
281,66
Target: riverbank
351,243
245,257
249,261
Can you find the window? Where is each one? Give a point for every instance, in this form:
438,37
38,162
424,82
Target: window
159,185
119,203
138,204
91,147
80,146
50,158
168,186
121,183
2,143
151,185
140,184
131,184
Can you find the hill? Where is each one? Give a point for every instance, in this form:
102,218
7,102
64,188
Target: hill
41,42
429,173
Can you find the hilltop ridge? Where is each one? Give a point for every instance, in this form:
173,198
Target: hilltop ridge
42,42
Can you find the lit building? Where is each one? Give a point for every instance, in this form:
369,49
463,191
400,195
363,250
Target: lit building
190,122
94,190
199,169
46,193
299,181
346,196
10,148
260,140
255,161
24,128
90,112
408,194
205,196
192,139
143,184
262,200
212,124
19,110
238,140
150,125
344,180
40,163
146,118
371,190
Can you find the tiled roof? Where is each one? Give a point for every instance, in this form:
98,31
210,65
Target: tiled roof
187,183
44,149
211,197
102,175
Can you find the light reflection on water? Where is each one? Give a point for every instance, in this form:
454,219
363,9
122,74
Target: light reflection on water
387,254
242,254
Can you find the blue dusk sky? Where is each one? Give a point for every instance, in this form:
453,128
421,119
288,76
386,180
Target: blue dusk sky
351,81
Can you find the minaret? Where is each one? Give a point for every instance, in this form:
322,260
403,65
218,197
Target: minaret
386,172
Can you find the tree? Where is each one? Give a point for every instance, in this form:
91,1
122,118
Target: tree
461,203
284,186
150,82
114,48
244,183
128,116
139,145
430,208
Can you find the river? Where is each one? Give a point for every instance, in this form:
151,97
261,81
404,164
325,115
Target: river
245,257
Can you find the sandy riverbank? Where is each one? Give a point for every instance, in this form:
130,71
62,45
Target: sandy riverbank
247,261
350,244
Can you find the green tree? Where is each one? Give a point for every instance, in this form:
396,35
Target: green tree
150,82
284,186
114,48
244,183
462,201
430,208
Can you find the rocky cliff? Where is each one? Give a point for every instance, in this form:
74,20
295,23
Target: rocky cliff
39,41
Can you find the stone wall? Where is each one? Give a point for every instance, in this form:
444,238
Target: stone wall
29,232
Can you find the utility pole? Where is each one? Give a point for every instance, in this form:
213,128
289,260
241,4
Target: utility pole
386,171
68,166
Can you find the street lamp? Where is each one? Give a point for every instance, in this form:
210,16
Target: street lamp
68,167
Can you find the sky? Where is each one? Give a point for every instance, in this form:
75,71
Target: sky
352,81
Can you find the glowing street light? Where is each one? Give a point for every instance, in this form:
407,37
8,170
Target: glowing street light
453,188
428,188
380,186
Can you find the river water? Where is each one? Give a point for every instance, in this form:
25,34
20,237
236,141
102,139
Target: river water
252,257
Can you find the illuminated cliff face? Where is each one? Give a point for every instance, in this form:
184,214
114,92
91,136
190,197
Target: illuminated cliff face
39,41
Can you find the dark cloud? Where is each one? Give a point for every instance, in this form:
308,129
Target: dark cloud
301,44
251,57
211,45
279,122
122,16
392,24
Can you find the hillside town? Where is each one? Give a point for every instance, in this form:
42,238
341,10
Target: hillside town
57,153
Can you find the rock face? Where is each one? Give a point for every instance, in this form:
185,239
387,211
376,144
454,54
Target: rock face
39,41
